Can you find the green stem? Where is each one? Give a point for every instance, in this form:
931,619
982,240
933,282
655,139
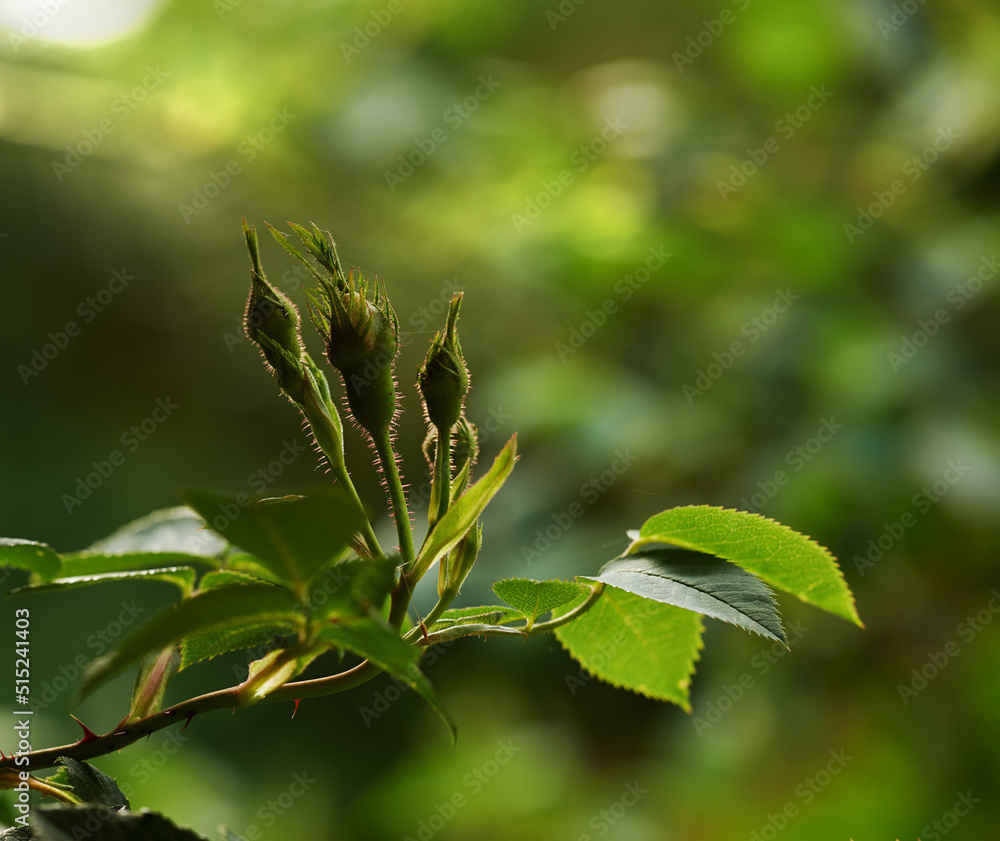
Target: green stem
446,598
480,630
125,734
324,420
579,610
397,498
442,472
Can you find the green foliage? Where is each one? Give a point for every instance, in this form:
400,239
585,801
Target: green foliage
37,558
698,582
292,536
536,598
638,644
229,608
306,575
784,558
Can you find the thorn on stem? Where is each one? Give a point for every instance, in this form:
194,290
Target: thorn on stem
88,734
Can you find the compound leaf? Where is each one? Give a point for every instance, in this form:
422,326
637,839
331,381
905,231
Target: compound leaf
784,558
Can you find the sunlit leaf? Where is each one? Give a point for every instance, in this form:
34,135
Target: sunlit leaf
781,556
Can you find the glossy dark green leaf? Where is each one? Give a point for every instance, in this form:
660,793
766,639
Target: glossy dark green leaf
293,536
699,582
176,529
181,577
91,784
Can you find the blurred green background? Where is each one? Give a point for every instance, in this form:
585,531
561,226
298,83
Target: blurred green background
824,180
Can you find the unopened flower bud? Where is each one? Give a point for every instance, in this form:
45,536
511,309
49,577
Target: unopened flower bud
272,323
362,340
444,377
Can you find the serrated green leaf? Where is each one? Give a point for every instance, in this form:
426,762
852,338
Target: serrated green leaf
699,582
226,578
481,615
246,563
91,784
78,564
182,577
465,510
38,558
536,598
638,644
177,529
293,536
227,607
375,641
209,644
781,556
